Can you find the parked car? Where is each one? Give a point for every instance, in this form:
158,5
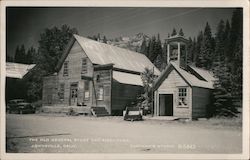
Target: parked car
20,106
133,114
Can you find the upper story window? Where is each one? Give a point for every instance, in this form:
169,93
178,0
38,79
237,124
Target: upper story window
84,66
66,68
182,97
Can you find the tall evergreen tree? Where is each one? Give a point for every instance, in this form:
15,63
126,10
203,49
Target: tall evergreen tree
104,39
164,55
174,32
20,55
205,56
158,52
193,50
143,49
198,49
189,50
181,32
31,53
235,32
152,49
236,55
222,97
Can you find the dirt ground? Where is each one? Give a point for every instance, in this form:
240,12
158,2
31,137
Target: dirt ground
48,133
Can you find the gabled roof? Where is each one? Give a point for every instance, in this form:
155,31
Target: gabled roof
17,70
207,75
101,53
191,79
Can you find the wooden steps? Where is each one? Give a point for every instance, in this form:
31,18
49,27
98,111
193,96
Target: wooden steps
99,111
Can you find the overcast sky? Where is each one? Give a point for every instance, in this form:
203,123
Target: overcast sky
24,25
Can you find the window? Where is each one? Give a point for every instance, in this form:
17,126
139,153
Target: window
66,68
100,94
61,91
182,97
84,66
86,90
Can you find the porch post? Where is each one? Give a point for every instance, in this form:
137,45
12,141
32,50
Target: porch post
179,53
168,53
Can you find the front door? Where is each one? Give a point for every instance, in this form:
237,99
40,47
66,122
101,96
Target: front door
166,105
73,94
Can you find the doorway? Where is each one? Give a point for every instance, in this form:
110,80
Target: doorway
73,94
166,105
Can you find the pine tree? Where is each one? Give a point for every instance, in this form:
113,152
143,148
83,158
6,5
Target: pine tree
236,55
227,39
205,56
193,50
223,99
181,32
164,55
31,53
174,32
198,49
20,55
104,39
235,32
17,55
143,49
189,50
158,59
151,50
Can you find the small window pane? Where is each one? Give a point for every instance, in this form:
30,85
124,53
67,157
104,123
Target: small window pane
182,96
66,68
84,66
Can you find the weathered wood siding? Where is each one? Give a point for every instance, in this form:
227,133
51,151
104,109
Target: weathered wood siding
201,100
50,94
170,86
123,95
102,78
74,59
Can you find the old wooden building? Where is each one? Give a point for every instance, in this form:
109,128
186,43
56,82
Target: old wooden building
182,90
95,77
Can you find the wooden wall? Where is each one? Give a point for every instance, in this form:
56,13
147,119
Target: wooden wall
103,78
74,58
123,95
201,100
170,86
50,94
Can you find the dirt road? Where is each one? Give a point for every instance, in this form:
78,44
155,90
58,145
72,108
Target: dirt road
53,134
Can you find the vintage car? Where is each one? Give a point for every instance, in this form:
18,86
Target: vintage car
133,114
20,106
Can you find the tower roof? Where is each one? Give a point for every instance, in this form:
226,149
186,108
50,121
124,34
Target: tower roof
176,38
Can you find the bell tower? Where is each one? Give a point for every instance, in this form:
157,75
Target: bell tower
177,50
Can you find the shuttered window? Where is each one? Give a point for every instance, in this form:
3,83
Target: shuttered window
84,66
182,97
66,68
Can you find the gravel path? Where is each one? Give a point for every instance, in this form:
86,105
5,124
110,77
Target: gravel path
53,134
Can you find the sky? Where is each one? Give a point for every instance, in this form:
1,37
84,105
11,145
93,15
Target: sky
24,25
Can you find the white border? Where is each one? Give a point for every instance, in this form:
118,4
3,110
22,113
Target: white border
128,3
